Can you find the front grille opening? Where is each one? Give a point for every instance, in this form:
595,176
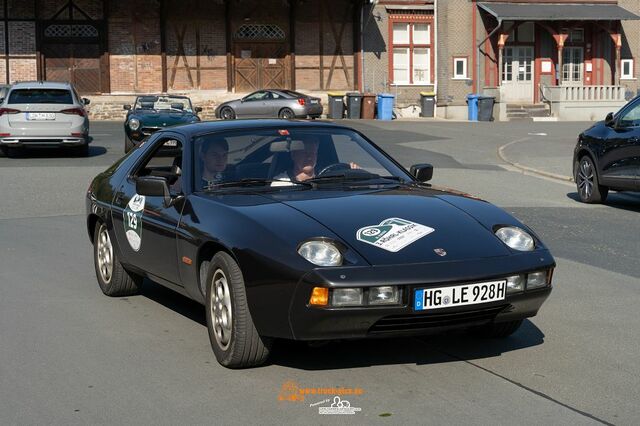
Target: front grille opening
426,321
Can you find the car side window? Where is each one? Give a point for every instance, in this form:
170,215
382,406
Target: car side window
631,118
165,161
257,96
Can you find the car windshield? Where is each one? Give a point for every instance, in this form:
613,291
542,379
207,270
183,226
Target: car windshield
40,96
163,103
297,157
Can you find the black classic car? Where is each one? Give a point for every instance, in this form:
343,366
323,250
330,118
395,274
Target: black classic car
151,113
607,155
308,231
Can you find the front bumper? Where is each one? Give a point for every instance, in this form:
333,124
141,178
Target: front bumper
319,323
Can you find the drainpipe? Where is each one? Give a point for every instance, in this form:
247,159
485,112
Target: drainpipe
435,52
480,53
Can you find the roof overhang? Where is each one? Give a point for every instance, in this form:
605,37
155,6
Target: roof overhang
557,12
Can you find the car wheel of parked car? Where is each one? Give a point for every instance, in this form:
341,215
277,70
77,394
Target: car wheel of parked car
499,329
227,113
113,279
589,188
286,113
234,338
128,144
13,152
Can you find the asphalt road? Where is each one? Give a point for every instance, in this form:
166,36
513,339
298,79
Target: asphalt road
69,355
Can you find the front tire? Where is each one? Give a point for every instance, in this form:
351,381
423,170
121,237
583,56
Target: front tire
227,113
589,189
113,279
286,113
128,144
234,338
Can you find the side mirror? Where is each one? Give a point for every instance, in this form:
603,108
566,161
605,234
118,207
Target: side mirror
608,121
198,109
127,107
155,186
86,101
422,172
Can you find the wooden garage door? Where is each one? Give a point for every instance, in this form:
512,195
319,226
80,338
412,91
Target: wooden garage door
76,63
260,66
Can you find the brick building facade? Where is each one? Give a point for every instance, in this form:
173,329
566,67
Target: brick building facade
136,46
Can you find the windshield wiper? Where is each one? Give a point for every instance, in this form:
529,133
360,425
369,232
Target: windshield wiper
254,182
350,176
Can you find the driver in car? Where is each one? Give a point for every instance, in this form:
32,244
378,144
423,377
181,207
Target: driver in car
214,158
304,164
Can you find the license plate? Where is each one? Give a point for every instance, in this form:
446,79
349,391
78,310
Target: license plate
41,116
460,295
171,143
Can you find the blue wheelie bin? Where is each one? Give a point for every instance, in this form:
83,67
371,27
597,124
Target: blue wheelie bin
385,106
472,106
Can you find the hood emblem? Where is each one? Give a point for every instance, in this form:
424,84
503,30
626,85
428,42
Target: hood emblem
440,252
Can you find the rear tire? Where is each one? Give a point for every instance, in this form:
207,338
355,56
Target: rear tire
227,113
128,144
498,330
234,338
589,189
114,280
13,152
286,114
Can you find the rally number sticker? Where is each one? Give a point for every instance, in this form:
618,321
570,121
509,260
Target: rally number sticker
133,221
393,234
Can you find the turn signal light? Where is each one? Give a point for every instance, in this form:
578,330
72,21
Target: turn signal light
74,111
301,101
8,111
319,296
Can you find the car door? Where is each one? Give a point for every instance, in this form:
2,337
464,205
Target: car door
144,227
253,105
620,158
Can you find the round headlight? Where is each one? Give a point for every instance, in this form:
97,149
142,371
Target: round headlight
134,124
516,238
321,253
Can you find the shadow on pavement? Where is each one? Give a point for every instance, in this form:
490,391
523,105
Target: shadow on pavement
21,153
629,201
417,350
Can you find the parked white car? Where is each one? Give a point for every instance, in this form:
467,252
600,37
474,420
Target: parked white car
43,114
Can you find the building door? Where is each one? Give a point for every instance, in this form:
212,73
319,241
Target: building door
260,66
71,51
517,74
572,66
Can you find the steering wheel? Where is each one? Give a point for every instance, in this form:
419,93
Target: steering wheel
334,167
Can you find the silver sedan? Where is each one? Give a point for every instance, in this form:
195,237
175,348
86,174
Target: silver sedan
271,104
43,114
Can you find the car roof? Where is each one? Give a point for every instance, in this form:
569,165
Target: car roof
41,85
206,127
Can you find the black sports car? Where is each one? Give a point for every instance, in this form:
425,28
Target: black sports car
151,113
308,231
607,155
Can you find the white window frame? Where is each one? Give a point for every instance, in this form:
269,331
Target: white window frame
465,68
630,76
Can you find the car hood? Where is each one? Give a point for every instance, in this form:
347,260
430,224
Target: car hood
164,119
406,225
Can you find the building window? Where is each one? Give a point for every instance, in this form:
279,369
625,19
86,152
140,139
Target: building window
576,35
459,68
626,66
411,57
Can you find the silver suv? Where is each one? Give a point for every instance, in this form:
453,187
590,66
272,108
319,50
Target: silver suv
43,114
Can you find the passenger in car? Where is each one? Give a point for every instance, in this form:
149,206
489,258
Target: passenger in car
214,158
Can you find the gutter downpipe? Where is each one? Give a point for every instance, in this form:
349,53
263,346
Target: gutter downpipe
480,54
435,59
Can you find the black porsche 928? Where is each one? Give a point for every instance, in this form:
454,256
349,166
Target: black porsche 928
308,231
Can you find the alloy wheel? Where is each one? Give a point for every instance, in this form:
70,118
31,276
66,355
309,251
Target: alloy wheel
105,255
221,311
585,179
